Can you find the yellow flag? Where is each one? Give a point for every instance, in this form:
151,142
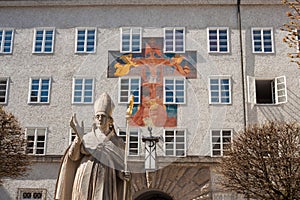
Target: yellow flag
130,106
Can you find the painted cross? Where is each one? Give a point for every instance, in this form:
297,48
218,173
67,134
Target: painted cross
162,81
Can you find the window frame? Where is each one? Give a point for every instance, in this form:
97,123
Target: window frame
221,143
219,78
85,46
82,97
174,142
131,30
7,79
251,87
138,142
174,78
129,90
2,42
39,91
43,47
261,29
31,190
174,29
218,29
35,141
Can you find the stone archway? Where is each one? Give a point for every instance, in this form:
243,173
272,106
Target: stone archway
173,182
153,195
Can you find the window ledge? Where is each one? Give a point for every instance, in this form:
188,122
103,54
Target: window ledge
46,158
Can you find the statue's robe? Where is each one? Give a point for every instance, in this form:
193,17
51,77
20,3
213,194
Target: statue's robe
91,169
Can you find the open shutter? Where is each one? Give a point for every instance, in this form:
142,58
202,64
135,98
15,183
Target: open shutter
251,90
280,90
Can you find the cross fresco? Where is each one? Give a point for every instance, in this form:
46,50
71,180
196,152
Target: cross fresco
152,65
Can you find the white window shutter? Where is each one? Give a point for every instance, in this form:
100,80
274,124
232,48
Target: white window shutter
251,90
280,90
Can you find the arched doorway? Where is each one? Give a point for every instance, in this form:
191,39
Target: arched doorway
153,195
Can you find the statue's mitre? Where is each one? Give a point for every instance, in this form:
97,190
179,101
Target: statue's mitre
104,104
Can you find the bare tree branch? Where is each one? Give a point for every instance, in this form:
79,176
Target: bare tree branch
14,161
292,28
263,162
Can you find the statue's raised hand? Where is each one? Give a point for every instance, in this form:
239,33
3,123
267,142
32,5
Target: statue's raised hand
79,130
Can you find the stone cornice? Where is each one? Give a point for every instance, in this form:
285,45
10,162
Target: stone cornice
189,160
42,3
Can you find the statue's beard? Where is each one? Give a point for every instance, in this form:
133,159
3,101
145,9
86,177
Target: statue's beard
104,128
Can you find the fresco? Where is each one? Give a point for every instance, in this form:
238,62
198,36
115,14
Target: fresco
152,65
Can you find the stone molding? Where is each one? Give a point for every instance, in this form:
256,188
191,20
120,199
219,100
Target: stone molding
45,3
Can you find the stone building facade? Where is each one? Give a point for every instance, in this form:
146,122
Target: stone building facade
200,72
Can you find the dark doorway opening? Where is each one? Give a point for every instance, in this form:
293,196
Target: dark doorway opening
153,195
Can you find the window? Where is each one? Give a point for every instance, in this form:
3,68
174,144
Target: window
174,40
298,39
175,142
6,41
218,40
36,141
129,86
131,40
43,41
220,90
3,90
262,40
134,140
267,91
174,90
39,90
224,196
31,194
72,134
85,40
83,90
220,142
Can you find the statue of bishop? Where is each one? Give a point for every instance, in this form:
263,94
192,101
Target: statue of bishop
92,167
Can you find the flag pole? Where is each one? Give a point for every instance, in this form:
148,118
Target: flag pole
128,116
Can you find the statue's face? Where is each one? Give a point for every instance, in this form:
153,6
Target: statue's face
101,121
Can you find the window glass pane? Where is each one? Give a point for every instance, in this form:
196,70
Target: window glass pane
88,81
40,151
224,81
78,87
215,133
77,99
216,153
87,99
78,81
214,87
225,100
78,93
214,81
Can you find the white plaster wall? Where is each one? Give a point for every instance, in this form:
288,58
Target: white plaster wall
271,65
41,176
197,116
